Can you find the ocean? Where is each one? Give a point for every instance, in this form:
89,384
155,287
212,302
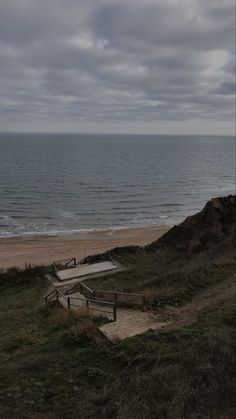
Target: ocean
56,183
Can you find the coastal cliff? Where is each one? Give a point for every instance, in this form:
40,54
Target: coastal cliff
212,230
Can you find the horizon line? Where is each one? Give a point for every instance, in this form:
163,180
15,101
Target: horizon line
115,134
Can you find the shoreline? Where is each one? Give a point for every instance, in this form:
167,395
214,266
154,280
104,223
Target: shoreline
80,231
43,249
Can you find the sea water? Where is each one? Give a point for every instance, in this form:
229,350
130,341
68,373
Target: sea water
52,183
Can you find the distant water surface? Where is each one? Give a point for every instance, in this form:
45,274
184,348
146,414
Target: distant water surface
59,183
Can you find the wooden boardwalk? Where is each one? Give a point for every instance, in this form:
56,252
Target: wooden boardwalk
130,323
84,270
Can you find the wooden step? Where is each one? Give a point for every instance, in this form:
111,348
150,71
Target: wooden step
130,323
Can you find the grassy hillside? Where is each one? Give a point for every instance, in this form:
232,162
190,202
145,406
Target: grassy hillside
56,365
188,259
162,276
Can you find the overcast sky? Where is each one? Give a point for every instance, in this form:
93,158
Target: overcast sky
133,66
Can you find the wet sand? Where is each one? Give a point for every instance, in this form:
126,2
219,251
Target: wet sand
44,249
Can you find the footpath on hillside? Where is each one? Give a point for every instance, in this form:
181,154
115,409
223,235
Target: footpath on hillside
132,322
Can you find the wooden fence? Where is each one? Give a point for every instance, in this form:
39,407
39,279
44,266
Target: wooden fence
78,303
121,298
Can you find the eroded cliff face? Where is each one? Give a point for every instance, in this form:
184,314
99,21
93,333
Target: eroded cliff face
206,237
213,229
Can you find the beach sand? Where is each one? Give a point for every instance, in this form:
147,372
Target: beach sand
44,249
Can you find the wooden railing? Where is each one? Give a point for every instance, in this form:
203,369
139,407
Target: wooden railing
54,295
125,298
81,262
86,290
83,290
67,263
64,263
89,305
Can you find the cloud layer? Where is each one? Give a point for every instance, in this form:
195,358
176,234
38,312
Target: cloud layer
106,65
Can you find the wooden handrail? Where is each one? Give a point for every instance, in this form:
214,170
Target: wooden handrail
101,302
49,295
115,294
73,288
58,291
66,262
81,285
88,289
81,261
87,301
120,293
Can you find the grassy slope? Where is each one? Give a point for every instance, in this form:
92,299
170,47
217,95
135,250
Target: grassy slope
53,365
49,367
163,276
189,258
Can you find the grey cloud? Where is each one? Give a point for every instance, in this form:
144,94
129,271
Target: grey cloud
107,61
164,23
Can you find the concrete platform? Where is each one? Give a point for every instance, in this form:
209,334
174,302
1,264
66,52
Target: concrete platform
84,270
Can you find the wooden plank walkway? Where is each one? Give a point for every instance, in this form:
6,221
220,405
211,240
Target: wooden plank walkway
86,269
130,323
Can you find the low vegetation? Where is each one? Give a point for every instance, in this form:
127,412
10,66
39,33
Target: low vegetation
163,277
191,257
56,365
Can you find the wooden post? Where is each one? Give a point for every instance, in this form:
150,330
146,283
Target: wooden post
93,295
114,313
115,296
87,304
68,303
143,302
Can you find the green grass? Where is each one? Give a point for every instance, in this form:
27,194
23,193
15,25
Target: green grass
163,276
49,365
141,268
55,365
185,289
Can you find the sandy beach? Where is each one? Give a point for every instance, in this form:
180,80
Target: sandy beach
44,249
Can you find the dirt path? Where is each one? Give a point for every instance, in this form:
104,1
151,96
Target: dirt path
132,322
211,298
